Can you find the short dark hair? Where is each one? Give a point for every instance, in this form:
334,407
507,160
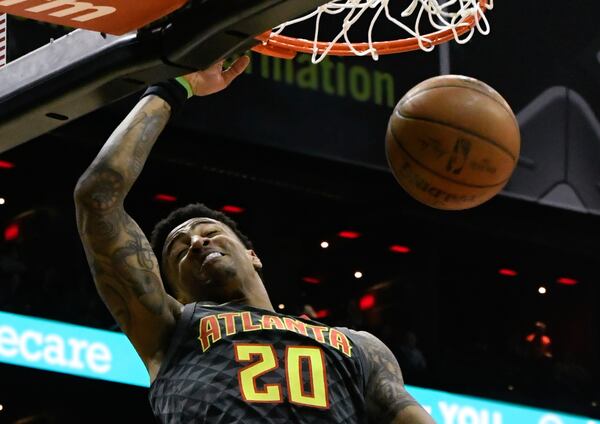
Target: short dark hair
179,216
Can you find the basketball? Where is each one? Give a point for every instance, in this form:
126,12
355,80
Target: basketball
452,142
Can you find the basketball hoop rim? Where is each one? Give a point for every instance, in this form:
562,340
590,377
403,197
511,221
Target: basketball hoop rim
287,47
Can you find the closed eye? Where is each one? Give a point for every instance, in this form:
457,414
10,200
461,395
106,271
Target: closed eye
180,254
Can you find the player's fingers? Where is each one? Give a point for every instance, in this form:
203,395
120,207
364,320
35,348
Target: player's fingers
236,69
214,69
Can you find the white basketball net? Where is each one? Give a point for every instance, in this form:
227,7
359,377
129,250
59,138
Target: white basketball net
2,39
440,15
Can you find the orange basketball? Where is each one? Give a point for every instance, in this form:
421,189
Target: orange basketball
452,142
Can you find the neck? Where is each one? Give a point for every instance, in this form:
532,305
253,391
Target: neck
256,303
251,292
254,294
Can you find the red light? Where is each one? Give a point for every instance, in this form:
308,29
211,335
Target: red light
508,272
546,341
366,302
399,249
311,280
165,198
11,232
567,281
323,313
232,209
349,234
6,165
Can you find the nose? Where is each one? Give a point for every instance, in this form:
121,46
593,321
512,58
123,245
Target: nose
199,242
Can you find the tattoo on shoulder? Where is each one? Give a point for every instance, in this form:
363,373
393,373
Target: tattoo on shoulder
386,395
122,263
136,267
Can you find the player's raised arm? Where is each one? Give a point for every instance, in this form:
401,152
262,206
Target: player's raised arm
387,399
123,265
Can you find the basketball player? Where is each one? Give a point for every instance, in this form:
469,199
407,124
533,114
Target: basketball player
216,351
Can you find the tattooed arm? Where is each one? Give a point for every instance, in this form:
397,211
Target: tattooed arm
387,399
123,265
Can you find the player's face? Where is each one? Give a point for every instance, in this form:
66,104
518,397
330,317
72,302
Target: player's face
205,260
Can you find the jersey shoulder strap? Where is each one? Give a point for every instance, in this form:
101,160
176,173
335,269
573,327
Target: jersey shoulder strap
178,336
363,359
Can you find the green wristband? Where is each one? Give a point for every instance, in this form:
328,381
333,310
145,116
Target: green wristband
186,85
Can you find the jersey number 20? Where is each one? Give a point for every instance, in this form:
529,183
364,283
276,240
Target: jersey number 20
265,360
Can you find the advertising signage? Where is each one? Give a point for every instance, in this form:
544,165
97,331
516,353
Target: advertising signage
70,349
105,355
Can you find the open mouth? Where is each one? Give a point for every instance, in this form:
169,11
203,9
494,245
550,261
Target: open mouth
211,257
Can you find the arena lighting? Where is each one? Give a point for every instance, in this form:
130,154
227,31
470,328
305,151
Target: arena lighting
546,341
6,165
358,275
2,201
508,272
165,198
349,234
323,313
567,281
281,306
311,280
324,244
542,290
232,209
396,248
11,232
366,302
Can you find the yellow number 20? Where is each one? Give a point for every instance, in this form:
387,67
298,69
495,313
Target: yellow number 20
266,360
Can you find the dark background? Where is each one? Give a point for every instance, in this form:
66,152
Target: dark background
305,165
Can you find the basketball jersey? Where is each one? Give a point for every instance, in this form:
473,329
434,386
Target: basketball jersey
240,364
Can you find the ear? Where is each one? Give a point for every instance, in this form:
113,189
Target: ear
255,260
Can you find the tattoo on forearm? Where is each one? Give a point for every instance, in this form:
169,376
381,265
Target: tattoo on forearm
150,128
122,158
132,144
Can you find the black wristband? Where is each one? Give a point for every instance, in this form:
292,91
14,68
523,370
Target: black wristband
171,92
